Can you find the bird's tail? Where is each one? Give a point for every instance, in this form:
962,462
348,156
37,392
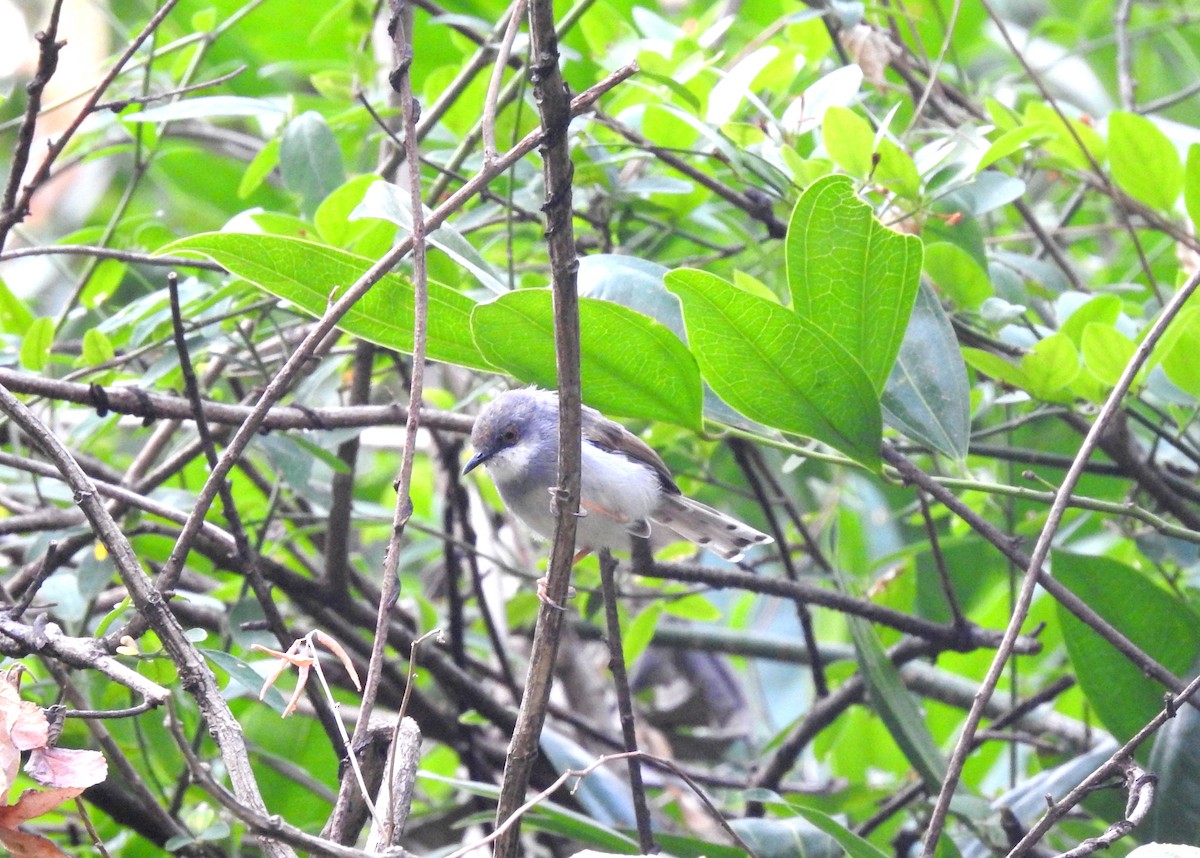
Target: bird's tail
708,527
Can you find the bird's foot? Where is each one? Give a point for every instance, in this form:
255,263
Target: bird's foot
544,596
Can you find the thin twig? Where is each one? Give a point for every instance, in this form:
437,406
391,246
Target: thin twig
48,48
493,91
616,663
389,591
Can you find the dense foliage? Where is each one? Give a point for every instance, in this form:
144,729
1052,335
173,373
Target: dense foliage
906,286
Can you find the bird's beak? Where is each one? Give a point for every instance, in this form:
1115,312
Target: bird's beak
475,461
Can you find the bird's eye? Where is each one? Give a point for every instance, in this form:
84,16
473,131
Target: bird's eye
509,436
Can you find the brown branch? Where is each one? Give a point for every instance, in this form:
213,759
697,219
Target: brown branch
555,109
616,664
401,30
157,406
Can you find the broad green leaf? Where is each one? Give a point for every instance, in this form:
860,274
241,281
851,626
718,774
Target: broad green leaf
855,846
896,170
1175,759
266,160
636,636
927,396
1104,308
1179,351
989,190
1145,164
310,159
1160,623
97,348
896,706
776,367
850,276
1050,366
1062,140
995,367
734,87
15,317
35,345
1011,141
958,275
105,280
785,838
332,217
631,366
849,140
1106,352
606,799
311,275
1191,185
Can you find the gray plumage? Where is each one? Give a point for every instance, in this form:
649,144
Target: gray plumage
626,488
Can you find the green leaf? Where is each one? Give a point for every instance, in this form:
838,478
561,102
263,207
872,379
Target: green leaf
310,159
1106,352
1062,138
310,275
855,846
631,365
896,706
1191,185
246,676
896,170
35,345
637,635
1104,308
849,141
1010,142
105,280
850,276
1179,350
785,838
995,367
266,160
97,348
332,217
1159,623
1050,366
1145,164
957,274
1175,759
928,397
15,317
776,367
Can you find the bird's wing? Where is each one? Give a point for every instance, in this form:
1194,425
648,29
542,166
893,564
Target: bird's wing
612,437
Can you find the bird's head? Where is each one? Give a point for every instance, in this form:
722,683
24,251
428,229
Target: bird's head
512,430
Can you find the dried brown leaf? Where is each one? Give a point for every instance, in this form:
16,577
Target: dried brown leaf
344,657
66,768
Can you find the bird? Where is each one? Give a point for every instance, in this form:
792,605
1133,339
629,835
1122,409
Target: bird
626,490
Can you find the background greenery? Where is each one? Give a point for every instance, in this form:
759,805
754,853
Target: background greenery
805,231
